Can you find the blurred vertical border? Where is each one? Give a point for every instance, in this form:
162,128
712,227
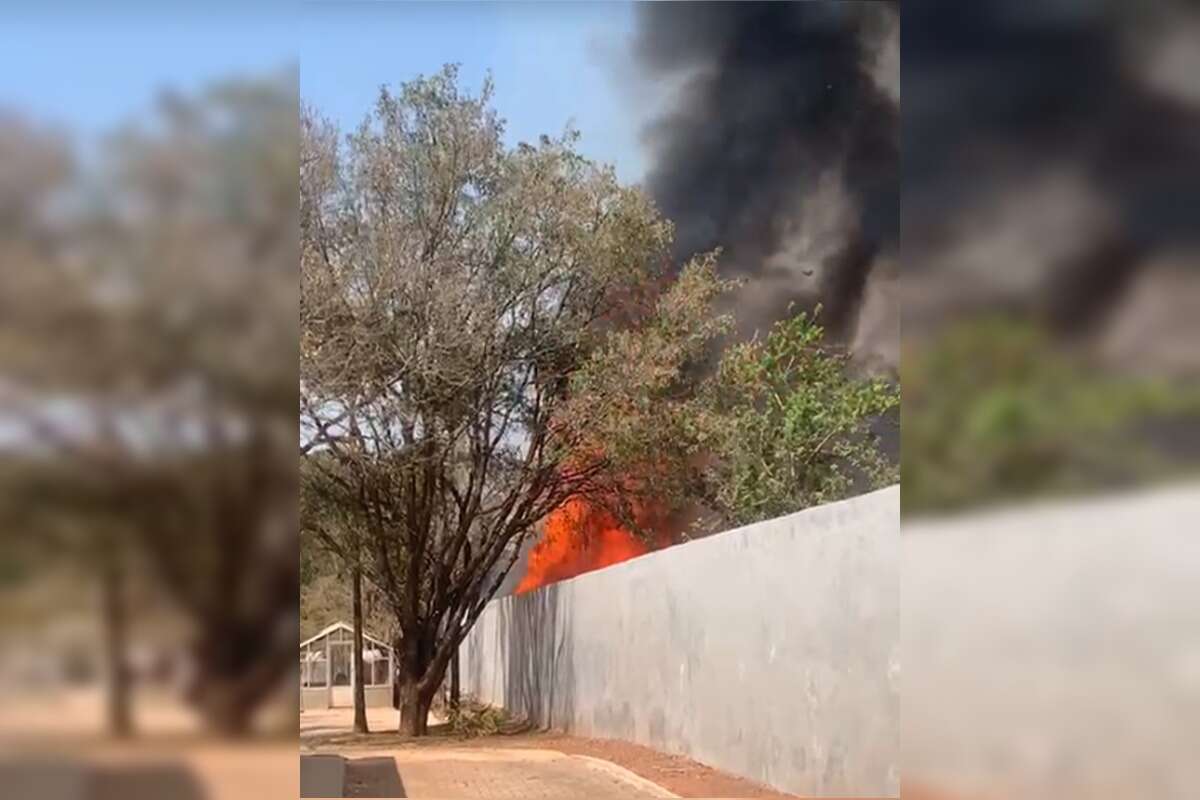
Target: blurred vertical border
148,381
1050,436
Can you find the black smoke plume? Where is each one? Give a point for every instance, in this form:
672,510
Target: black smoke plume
780,144
1070,131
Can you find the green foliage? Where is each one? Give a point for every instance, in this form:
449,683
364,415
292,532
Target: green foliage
794,425
993,410
780,425
639,399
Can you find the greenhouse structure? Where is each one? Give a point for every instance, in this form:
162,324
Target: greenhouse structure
327,669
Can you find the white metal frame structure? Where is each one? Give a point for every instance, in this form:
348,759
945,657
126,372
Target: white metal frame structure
327,663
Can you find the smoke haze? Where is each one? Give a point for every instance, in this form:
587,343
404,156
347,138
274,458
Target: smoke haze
1051,161
780,144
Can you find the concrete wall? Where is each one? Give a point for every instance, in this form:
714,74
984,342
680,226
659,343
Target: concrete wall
1053,651
770,651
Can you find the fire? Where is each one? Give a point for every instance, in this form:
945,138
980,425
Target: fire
579,537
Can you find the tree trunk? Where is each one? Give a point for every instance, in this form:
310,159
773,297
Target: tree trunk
455,688
224,713
360,694
414,708
229,684
116,634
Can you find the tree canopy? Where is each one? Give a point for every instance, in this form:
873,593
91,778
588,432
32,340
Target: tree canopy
148,329
452,288
995,409
487,332
795,424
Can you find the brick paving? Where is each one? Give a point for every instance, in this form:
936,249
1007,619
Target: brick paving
500,774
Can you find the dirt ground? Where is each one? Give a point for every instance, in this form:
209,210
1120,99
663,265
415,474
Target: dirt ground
329,731
678,774
57,742
53,745
495,773
141,770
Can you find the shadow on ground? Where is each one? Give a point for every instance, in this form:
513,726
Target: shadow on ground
373,777
56,780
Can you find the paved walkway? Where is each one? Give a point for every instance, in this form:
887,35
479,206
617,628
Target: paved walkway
448,770
473,773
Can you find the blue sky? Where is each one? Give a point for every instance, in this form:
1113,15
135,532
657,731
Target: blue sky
552,63
90,67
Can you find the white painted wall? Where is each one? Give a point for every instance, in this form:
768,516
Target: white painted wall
770,651
1053,651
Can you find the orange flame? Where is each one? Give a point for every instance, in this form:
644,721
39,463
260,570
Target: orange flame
579,537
